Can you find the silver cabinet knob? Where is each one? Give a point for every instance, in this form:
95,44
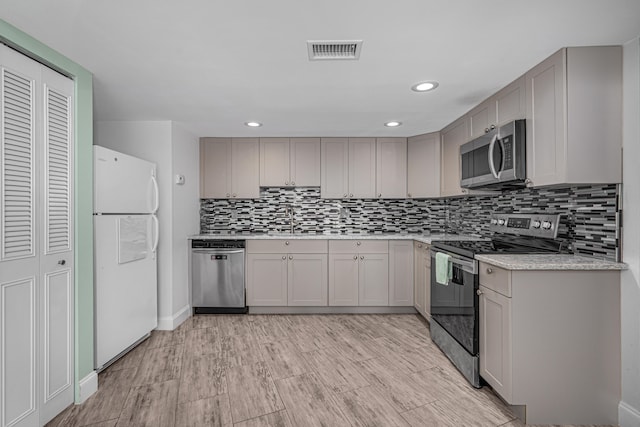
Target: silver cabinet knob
358,243
345,195
486,130
479,292
528,182
351,195
464,191
293,183
355,257
290,256
492,127
286,243
489,270
284,257
409,195
286,183
62,262
361,257
228,195
379,194
234,195
419,245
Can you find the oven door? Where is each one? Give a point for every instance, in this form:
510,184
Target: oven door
455,306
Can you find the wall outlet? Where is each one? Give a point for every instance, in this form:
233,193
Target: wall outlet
179,179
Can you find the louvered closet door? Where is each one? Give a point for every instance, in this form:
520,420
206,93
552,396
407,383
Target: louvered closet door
19,261
56,258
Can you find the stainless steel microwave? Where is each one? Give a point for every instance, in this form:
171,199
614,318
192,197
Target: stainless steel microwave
495,160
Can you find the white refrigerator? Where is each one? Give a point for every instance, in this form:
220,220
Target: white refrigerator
125,242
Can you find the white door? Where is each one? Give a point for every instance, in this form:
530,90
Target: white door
36,241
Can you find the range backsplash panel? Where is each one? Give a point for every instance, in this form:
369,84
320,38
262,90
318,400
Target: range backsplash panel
590,224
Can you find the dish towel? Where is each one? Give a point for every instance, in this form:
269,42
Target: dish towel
444,269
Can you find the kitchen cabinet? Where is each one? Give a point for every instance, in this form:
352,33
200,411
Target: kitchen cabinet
574,117
229,168
287,273
423,166
540,325
391,168
400,273
359,269
422,279
290,162
348,168
453,136
506,105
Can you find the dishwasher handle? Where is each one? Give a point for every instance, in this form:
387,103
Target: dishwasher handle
217,252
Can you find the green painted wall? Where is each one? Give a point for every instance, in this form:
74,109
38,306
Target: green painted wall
17,39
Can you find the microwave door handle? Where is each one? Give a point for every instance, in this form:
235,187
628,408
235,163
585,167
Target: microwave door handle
492,166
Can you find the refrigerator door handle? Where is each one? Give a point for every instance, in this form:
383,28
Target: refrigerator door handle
156,232
156,194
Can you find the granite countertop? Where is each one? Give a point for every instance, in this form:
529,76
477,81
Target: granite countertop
550,262
422,238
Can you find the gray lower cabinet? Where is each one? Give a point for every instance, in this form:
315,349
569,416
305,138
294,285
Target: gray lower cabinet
422,279
537,326
267,282
401,273
307,279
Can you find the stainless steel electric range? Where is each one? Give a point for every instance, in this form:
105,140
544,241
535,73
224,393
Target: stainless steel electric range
454,305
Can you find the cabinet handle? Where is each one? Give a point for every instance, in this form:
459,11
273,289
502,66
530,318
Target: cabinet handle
228,195
358,243
409,195
286,243
290,257
286,183
361,257
284,257
234,195
355,257
464,191
479,292
62,262
528,182
489,270
379,194
492,127
351,195
345,195
293,183
419,245
486,130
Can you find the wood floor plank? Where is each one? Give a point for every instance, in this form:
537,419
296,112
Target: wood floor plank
150,405
252,392
429,415
238,350
309,403
276,419
202,376
283,359
269,329
213,411
110,423
105,404
235,324
166,338
366,407
336,372
204,321
160,365
202,341
409,360
133,359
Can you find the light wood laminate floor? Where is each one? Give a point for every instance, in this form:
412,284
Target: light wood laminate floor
289,371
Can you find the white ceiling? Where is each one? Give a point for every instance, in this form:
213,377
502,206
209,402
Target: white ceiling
214,64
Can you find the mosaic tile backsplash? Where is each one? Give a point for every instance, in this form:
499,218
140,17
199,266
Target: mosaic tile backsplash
590,222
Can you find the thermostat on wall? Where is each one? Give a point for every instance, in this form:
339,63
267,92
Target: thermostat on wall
179,179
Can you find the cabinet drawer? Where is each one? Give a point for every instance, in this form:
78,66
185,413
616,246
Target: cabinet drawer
495,278
359,246
293,246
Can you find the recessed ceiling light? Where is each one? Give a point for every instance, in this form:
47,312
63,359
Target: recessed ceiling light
253,124
393,124
424,86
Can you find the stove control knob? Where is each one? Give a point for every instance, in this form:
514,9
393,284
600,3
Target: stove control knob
535,224
501,222
546,225
494,221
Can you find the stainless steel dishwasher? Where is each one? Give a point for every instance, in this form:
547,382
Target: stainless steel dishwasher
217,276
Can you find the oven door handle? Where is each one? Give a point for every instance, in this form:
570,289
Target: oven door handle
492,166
469,266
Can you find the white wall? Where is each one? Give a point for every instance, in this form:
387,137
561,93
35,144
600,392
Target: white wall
629,409
178,211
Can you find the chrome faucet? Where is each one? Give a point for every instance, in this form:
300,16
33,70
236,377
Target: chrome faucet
288,209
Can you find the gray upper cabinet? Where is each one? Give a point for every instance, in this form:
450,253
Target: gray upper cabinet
423,166
288,162
574,117
482,118
391,168
453,136
348,168
362,168
229,168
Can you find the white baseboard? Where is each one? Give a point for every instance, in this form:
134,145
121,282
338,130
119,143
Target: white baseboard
628,416
86,387
169,323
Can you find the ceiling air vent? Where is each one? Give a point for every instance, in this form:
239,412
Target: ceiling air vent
333,49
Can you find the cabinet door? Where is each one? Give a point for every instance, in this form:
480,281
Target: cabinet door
419,288
391,168
482,118
267,279
426,274
373,279
334,168
546,88
274,162
215,168
245,167
423,166
401,273
343,279
495,341
362,168
305,162
307,279
510,102
452,138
